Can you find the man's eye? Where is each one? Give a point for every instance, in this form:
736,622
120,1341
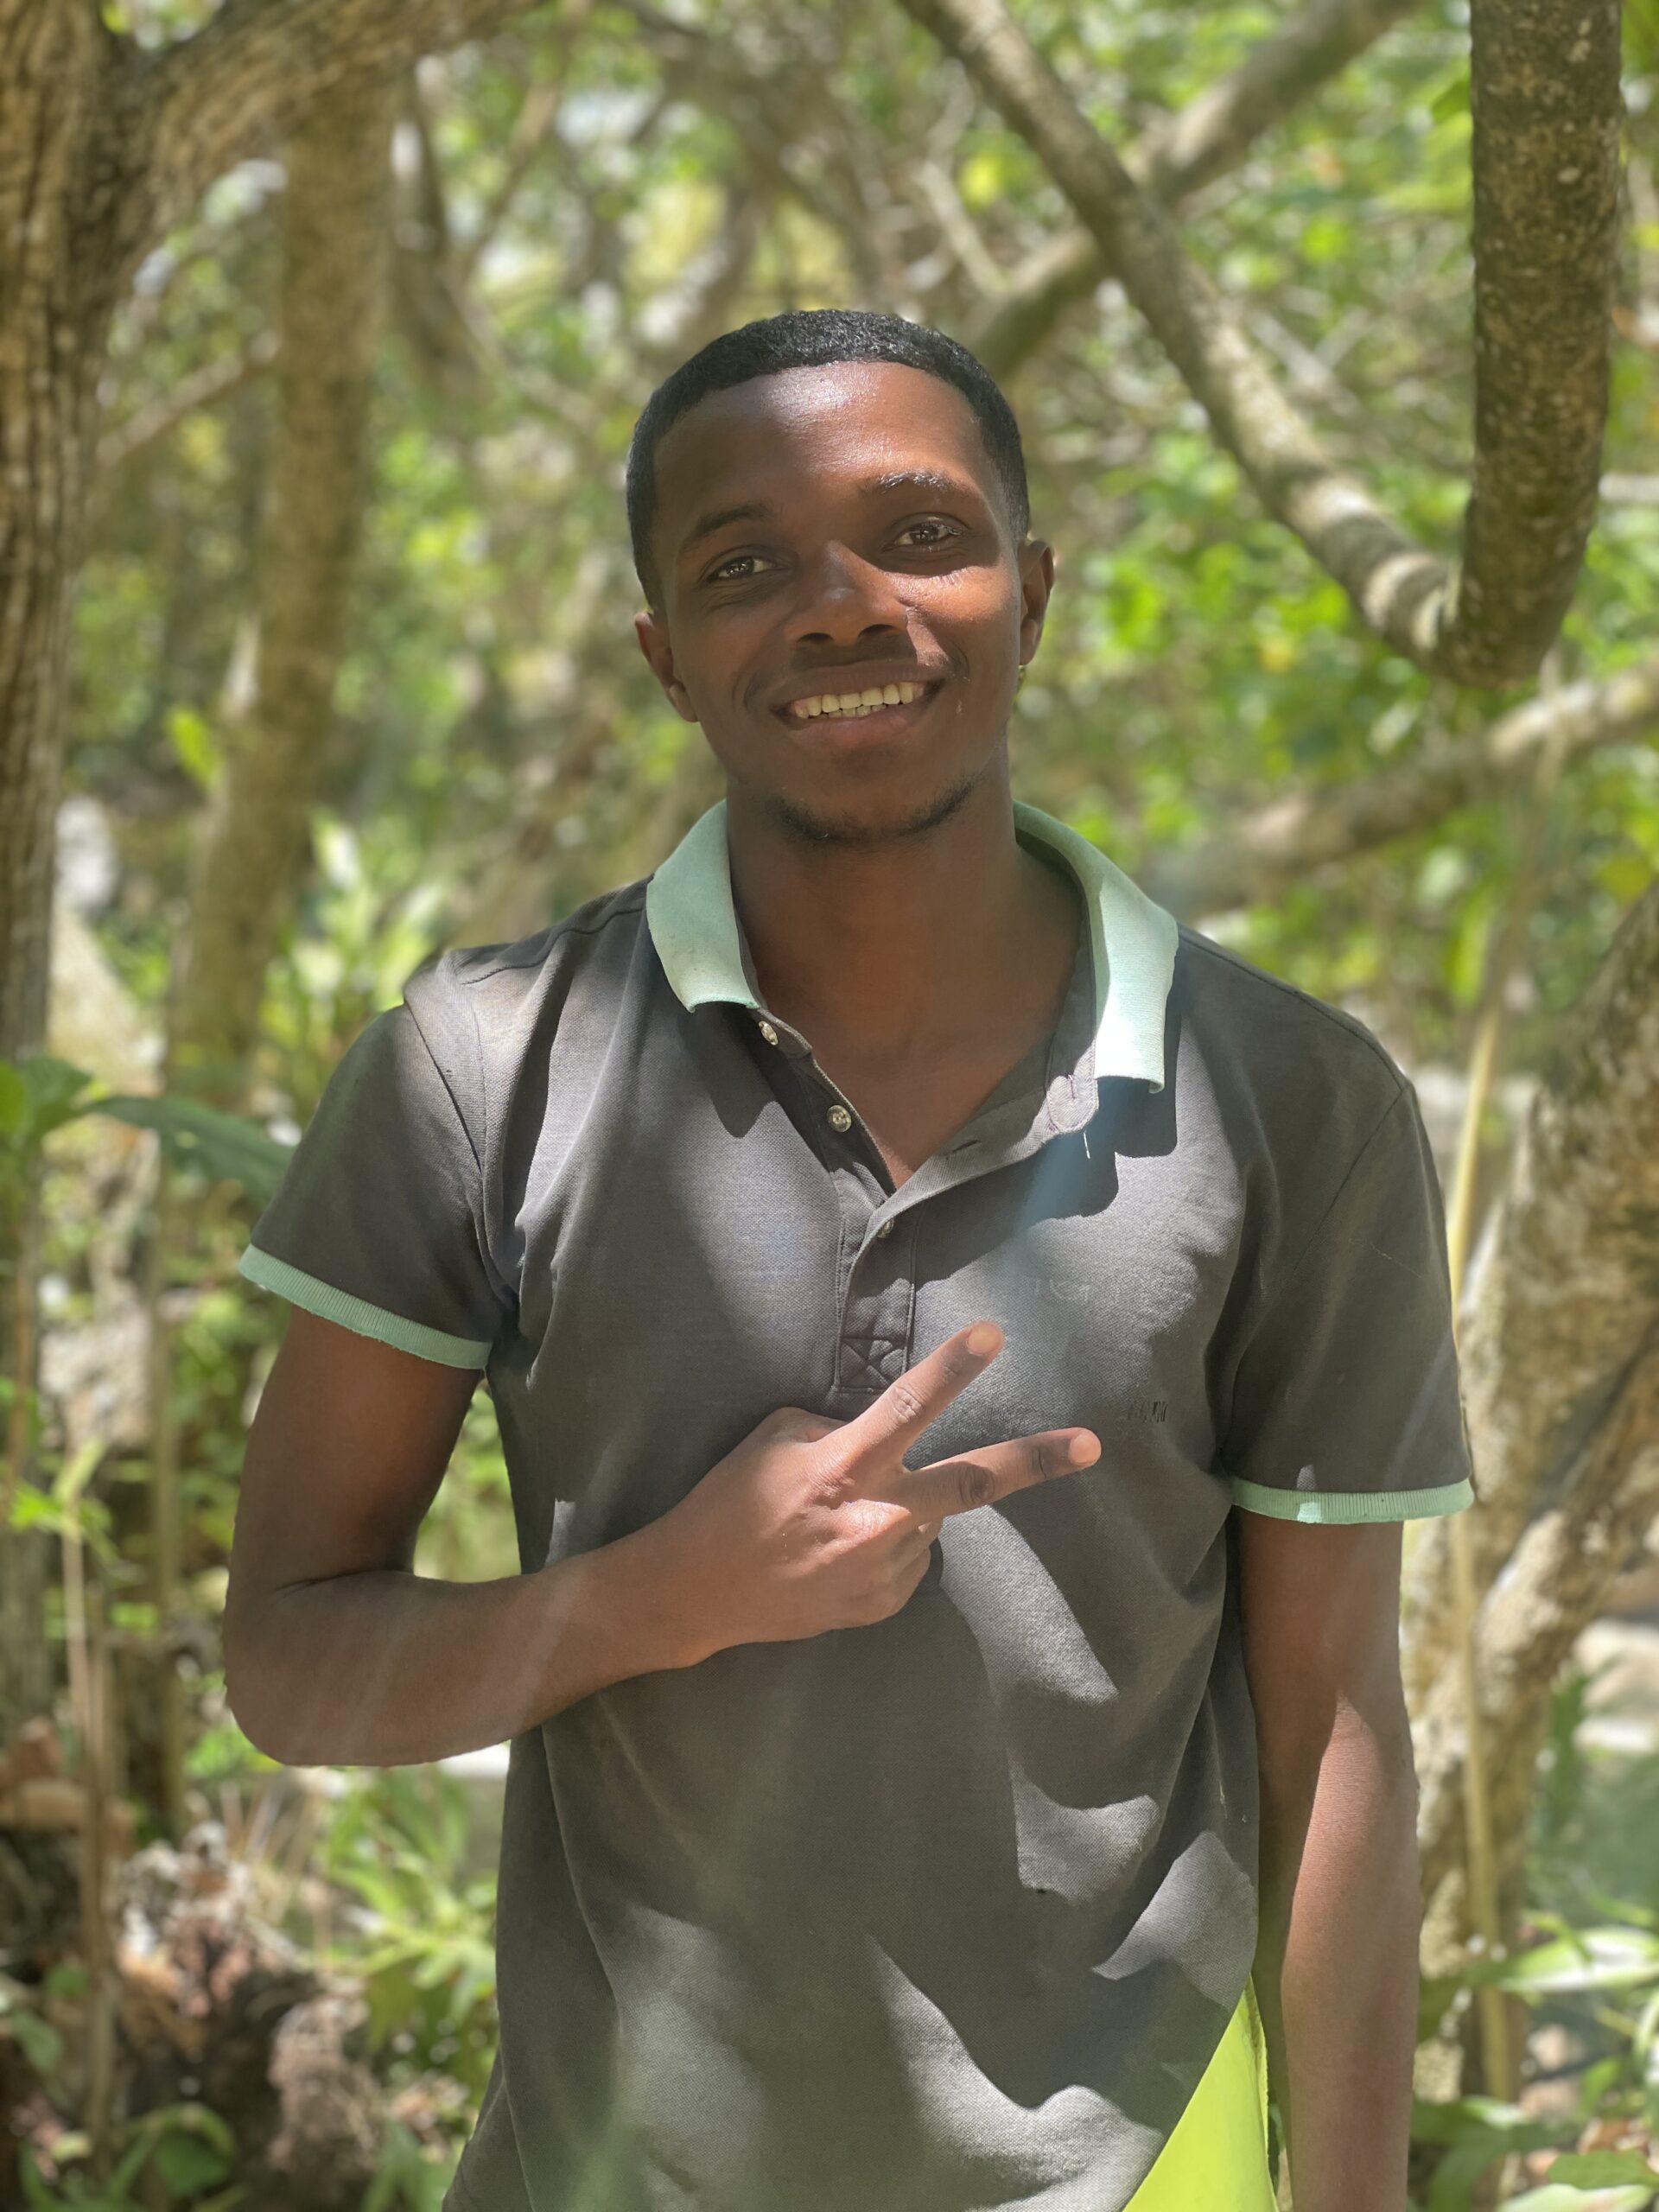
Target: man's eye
716,575
945,529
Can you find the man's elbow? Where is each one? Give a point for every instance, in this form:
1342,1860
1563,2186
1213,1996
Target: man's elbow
252,1691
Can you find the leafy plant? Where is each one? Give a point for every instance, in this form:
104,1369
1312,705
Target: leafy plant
424,1954
185,2147
41,1094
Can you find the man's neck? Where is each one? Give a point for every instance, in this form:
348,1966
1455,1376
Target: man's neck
903,951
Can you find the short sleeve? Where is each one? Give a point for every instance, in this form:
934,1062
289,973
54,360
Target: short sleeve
1347,1403
379,1222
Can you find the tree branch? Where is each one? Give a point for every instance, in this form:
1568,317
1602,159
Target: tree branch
1187,150
252,72
202,387
1280,843
1546,180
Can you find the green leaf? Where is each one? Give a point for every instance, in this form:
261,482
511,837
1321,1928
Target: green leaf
187,2164
1558,2197
14,1099
1452,99
223,1146
199,750
1591,1958
38,1094
40,2042
1602,2168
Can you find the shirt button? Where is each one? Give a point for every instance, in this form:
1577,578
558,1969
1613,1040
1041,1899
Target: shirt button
768,1032
885,1230
839,1117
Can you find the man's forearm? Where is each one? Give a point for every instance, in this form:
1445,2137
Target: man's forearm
1337,1971
389,1669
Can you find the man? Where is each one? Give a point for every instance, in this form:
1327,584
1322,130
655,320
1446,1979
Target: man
918,1727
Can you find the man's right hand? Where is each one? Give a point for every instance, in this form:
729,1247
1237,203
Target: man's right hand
810,1524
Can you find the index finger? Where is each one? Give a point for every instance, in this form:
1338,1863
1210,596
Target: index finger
884,1432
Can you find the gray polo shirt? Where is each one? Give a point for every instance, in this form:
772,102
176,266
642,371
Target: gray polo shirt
947,1913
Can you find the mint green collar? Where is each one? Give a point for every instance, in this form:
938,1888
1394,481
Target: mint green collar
693,924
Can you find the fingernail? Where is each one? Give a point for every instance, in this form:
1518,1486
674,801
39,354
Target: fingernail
1084,1450
983,1339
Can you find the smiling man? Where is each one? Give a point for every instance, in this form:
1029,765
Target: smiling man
964,1345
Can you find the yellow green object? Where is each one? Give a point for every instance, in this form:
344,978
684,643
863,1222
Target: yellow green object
1217,2154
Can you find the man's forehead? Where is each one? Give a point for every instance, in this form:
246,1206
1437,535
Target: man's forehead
864,416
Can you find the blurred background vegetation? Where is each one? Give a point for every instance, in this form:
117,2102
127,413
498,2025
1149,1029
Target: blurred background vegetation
352,679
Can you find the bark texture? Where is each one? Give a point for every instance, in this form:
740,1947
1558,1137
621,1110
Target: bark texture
334,253
55,305
1209,136
1275,847
102,145
1546,116
1563,1296
1551,1588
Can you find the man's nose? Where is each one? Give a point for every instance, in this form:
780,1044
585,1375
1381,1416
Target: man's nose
843,597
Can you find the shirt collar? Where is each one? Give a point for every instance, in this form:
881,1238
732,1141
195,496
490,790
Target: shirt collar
693,924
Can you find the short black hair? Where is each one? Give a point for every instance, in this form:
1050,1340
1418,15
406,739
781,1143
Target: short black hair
811,338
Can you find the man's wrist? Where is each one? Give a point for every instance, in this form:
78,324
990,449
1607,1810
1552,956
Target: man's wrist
633,1602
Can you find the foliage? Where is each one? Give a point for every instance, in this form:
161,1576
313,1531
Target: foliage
41,1095
1591,1968
184,2149
422,1949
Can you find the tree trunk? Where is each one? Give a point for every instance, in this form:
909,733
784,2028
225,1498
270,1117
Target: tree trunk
258,842
1551,1588
54,316
102,145
1564,1290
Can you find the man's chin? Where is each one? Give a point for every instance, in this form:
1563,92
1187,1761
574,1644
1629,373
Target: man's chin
872,818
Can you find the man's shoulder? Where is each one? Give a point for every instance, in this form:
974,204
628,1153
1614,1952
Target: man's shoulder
578,937
481,1009
1296,1061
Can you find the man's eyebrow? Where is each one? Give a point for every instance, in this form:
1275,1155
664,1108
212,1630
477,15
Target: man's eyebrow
872,487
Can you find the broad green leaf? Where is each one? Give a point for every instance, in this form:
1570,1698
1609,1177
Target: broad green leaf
1560,2196
1602,2168
1593,1958
223,1146
187,2165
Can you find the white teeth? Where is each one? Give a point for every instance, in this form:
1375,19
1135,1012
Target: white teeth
856,704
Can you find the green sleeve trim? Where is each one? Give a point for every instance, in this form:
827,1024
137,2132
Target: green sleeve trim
357,1314
1330,1506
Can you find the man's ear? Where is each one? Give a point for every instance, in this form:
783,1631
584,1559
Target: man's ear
652,633
1036,581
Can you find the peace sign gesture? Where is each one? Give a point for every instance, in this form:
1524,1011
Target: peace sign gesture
810,1524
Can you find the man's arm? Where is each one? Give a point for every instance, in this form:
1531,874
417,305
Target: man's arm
337,1653
1336,1969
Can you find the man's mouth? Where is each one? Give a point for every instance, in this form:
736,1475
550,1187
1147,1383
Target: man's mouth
855,706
